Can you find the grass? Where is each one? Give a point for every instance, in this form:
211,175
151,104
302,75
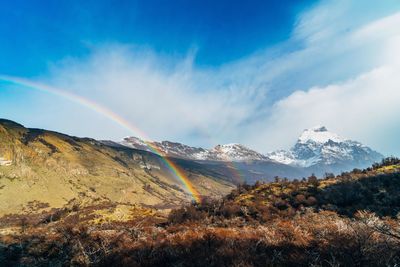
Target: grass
54,168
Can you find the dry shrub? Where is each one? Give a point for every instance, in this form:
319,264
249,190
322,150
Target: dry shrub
188,213
278,224
300,199
311,201
230,210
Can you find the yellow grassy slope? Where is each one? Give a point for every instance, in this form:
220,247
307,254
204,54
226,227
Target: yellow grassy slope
53,169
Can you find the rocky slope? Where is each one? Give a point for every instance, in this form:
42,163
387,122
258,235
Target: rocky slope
41,169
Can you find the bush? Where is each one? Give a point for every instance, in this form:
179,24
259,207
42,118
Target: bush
185,214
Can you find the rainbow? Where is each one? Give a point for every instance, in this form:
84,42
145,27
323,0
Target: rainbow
178,173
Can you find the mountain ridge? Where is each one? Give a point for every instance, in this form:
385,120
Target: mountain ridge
316,149
225,152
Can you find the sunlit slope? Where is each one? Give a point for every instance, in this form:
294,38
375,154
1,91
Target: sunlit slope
43,169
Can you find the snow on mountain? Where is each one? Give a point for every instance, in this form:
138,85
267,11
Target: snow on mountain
317,147
167,148
134,142
235,152
228,152
319,135
282,156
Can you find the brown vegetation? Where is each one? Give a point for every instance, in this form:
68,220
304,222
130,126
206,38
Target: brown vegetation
348,220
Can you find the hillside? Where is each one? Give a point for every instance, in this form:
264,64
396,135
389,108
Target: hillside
345,220
41,170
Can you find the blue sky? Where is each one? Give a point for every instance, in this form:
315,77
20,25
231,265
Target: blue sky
37,33
207,72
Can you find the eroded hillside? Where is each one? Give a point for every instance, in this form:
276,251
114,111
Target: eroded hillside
40,170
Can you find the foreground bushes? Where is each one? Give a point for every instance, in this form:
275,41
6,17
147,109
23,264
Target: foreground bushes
348,220
321,239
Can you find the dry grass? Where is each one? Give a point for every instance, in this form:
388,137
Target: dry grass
298,223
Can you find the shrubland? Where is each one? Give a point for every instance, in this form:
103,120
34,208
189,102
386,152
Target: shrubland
350,219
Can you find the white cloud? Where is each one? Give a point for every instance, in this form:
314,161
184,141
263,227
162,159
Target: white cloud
339,69
364,108
158,95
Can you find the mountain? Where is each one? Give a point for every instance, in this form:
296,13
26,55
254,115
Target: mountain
236,161
47,170
172,149
320,150
41,169
227,152
317,150
235,152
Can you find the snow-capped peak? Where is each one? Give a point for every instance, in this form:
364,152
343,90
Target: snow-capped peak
228,148
318,146
282,156
320,135
135,142
235,152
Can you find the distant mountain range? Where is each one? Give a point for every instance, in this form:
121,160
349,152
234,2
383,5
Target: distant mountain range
228,152
316,150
